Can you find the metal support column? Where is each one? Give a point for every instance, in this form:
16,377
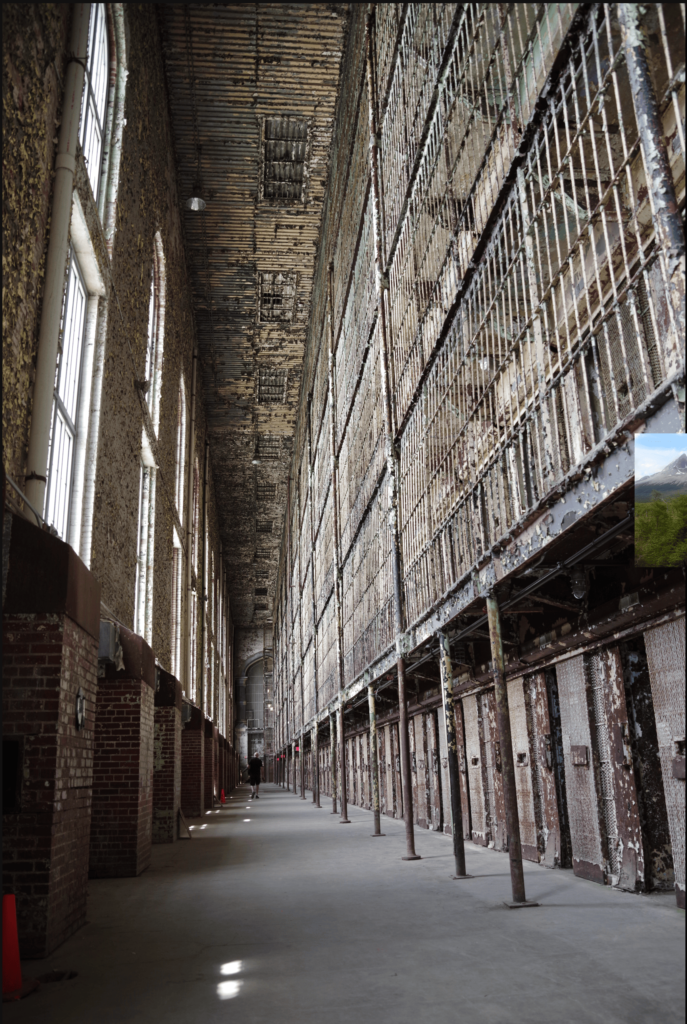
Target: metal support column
381,285
332,759
374,761
301,744
452,752
507,768
315,747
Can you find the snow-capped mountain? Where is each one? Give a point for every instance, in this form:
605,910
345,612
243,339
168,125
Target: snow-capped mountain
671,479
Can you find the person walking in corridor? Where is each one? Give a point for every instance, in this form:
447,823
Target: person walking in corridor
254,770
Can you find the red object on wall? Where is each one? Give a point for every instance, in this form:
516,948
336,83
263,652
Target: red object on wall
11,967
222,799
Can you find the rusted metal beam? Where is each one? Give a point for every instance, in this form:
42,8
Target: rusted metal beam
374,761
507,767
381,286
452,754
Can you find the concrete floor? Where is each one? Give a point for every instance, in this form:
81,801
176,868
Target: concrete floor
314,922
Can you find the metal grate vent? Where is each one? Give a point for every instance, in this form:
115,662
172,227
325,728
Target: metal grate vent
267,492
272,385
260,607
263,553
264,526
277,297
261,591
269,446
284,150
261,576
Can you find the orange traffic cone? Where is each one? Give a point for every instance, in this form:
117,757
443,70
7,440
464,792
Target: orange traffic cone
11,967
221,799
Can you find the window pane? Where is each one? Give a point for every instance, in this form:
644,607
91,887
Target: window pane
60,475
72,340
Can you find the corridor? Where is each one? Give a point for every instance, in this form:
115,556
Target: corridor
311,920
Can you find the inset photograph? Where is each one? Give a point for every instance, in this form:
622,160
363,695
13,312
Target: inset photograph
660,499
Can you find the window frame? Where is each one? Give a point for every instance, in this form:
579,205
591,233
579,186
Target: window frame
96,85
54,477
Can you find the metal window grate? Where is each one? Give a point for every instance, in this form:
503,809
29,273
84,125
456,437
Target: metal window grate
284,151
267,492
263,526
272,385
269,446
277,297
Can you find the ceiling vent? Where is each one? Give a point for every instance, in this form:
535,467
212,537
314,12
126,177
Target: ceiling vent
269,446
277,297
267,492
285,141
272,385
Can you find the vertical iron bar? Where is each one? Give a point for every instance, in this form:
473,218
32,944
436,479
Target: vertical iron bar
665,211
506,744
337,546
301,753
315,746
452,752
332,759
391,455
374,760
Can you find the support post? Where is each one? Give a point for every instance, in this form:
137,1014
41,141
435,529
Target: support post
302,762
287,772
332,758
452,748
315,747
374,760
507,768
390,450
342,746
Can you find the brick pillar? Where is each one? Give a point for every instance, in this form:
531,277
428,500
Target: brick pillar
122,823
167,759
222,765
51,624
210,763
193,765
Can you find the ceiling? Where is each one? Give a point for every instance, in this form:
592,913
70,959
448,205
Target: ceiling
252,92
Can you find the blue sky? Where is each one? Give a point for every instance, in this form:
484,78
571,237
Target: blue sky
654,451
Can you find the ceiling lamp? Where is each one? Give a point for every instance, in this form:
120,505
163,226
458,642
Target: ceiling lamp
578,580
195,203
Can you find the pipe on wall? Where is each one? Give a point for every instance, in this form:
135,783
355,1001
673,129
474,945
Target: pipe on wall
56,260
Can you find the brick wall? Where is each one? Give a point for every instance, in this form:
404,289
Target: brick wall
211,766
50,654
122,825
193,765
46,659
167,759
121,830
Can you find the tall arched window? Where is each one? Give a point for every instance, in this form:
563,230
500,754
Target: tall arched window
143,615
177,561
95,95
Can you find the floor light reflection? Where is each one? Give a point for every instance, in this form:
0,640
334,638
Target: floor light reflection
231,968
228,989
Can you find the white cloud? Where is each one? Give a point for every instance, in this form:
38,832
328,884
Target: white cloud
650,460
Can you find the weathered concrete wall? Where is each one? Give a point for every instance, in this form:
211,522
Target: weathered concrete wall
34,41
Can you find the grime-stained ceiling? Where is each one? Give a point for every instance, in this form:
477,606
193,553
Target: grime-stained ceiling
252,91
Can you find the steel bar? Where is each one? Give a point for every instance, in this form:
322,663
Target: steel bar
332,759
301,759
315,746
374,761
506,746
331,386
665,209
390,452
452,755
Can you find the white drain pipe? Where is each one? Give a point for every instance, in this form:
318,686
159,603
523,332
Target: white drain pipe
65,166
